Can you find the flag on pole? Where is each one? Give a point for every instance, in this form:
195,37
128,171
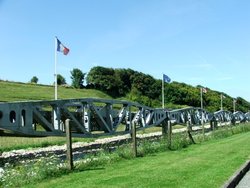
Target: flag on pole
204,90
61,47
166,78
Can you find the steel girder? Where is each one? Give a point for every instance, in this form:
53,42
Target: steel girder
247,115
240,116
89,117
194,116
223,116
95,117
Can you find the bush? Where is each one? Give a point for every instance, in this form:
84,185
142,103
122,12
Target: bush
147,147
180,141
223,133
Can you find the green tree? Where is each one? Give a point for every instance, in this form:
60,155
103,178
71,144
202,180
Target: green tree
125,77
61,80
77,77
34,79
105,79
146,90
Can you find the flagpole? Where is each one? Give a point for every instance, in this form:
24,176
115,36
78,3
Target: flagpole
234,104
221,107
202,118
163,92
55,69
201,99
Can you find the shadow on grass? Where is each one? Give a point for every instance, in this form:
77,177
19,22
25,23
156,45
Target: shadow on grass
88,169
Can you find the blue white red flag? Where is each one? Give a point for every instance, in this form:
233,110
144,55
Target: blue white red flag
61,47
166,78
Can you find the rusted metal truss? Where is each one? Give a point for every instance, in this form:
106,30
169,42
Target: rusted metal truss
94,117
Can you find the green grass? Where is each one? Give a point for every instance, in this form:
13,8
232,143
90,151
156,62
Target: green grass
202,165
208,164
13,91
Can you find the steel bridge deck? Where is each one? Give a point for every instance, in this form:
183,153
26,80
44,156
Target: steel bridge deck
94,117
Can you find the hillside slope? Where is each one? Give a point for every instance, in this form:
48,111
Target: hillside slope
15,91
177,95
145,89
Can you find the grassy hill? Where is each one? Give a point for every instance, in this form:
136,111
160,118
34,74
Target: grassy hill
16,91
178,95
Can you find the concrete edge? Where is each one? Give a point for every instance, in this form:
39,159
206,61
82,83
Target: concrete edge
237,176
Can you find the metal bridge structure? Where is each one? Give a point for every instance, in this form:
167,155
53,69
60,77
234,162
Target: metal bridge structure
90,117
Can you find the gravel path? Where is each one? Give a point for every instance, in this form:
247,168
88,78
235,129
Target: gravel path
79,148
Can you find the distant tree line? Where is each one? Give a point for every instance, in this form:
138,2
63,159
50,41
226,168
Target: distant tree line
143,88
77,77
147,90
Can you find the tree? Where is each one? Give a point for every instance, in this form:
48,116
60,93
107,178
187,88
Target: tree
125,75
60,80
107,80
147,90
119,82
34,80
77,77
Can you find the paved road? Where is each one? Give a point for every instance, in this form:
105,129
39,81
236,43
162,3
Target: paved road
245,182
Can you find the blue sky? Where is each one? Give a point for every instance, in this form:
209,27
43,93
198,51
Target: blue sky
198,42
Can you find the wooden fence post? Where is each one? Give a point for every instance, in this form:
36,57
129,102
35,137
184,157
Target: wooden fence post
203,131
69,145
169,134
134,141
189,132
164,128
211,125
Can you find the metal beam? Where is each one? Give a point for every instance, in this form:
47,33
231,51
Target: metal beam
94,117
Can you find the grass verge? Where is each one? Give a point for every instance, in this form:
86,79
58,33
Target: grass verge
207,164
202,165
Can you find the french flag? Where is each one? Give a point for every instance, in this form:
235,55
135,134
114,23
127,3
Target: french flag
61,47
